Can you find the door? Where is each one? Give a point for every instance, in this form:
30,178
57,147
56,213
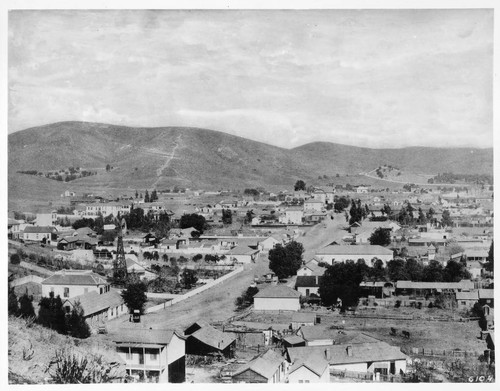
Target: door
141,357
393,368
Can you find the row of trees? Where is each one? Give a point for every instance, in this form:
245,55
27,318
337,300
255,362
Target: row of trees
51,314
341,280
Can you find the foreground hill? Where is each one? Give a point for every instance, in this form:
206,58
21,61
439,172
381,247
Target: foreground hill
201,158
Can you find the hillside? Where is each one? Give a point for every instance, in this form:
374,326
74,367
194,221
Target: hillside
32,347
200,158
417,160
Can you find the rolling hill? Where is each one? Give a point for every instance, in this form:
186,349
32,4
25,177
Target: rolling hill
200,158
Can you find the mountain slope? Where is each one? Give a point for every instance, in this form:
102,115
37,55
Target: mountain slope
200,158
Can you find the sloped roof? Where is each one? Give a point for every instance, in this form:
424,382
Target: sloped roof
486,294
293,339
41,230
311,333
85,231
354,250
93,302
277,291
308,281
315,364
212,337
241,250
265,365
144,336
364,352
464,284
74,277
474,295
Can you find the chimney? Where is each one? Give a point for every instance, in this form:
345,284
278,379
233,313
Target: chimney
349,350
327,354
317,278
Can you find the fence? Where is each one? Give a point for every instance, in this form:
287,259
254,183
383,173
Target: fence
416,351
367,376
194,292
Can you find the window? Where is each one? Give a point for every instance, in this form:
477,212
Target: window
121,308
111,311
66,292
129,355
153,356
100,291
306,381
301,381
68,309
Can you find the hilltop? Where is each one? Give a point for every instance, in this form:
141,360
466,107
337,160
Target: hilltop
202,158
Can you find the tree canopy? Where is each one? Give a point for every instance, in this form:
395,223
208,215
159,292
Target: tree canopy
134,296
284,261
193,220
380,237
300,185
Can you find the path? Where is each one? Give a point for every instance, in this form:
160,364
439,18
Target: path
170,156
216,304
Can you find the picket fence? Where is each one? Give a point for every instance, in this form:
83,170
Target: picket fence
194,292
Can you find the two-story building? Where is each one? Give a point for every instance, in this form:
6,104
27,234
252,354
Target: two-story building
71,283
152,356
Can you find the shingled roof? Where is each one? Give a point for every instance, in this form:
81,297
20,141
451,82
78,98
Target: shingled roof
277,291
354,250
93,302
364,352
212,337
74,277
265,365
144,336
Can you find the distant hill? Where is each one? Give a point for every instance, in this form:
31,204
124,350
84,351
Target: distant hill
201,158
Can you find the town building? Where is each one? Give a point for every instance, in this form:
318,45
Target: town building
152,356
276,298
71,283
338,253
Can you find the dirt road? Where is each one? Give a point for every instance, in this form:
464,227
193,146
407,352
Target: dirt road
215,304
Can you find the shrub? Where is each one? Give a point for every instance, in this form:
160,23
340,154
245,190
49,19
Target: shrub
398,304
15,259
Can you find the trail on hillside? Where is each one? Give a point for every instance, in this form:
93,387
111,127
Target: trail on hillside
169,156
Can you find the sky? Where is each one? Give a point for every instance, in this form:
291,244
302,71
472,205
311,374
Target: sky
373,78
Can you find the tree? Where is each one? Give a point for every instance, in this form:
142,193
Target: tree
284,261
76,325
51,313
146,197
26,309
15,259
397,270
227,217
433,272
380,237
341,281
188,278
136,194
340,204
356,212
154,196
249,216
134,296
193,220
108,168
300,185
489,259
455,272
446,220
245,300
13,305
414,269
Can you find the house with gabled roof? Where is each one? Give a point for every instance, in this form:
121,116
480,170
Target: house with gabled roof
71,283
277,298
203,339
270,367
152,356
242,254
362,357
40,234
98,309
308,285
310,369
311,268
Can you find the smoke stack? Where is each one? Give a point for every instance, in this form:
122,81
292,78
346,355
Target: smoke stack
327,354
349,350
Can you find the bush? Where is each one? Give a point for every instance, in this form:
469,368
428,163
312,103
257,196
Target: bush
68,367
398,304
15,259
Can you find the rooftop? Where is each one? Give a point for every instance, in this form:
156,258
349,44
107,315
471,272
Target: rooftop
354,250
277,291
74,277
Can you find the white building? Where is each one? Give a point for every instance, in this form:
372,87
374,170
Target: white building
277,298
71,283
152,356
293,215
106,209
